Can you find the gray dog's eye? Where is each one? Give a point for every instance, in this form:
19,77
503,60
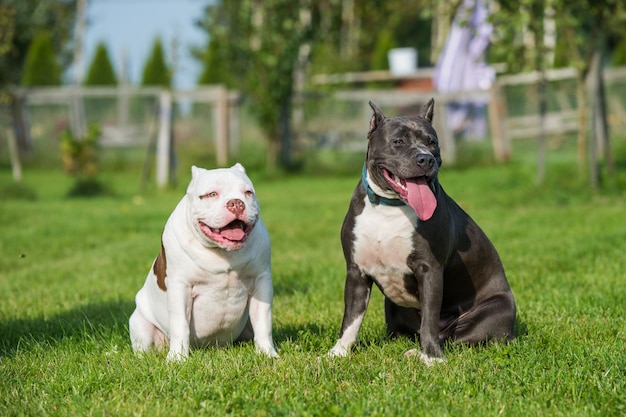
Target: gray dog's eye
399,141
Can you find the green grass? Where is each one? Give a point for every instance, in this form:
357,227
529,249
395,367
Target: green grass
69,269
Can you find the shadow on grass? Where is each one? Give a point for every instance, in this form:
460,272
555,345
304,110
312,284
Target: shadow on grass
82,322
315,336
111,318
521,328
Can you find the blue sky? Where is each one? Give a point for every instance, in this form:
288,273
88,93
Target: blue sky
129,27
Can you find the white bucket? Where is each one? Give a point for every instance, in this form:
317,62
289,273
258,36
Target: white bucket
402,61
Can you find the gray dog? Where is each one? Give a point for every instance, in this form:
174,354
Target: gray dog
441,276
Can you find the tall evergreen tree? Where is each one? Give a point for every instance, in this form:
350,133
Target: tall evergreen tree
21,20
41,67
101,71
213,72
156,71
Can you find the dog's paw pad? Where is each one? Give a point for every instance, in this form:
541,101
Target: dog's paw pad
430,360
411,352
176,357
427,360
338,351
272,354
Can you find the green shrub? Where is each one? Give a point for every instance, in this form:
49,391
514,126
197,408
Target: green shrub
81,157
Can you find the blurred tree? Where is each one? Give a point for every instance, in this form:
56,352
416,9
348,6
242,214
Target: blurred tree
584,29
618,58
212,70
27,19
263,47
7,28
41,67
20,21
100,71
351,35
384,43
254,45
156,71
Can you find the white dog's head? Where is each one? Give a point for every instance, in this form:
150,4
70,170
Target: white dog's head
223,207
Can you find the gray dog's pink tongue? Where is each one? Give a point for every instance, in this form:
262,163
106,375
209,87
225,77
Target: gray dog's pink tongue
421,198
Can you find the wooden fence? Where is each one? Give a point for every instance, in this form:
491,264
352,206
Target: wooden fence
505,123
340,117
154,130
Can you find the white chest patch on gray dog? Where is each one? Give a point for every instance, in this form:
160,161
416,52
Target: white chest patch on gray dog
383,242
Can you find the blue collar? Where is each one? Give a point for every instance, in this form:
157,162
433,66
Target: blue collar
375,198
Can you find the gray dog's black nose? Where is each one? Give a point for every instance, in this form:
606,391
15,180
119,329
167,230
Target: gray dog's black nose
425,161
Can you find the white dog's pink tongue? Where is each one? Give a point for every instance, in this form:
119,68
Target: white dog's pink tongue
421,198
233,232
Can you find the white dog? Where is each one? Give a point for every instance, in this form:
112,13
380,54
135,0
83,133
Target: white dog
212,282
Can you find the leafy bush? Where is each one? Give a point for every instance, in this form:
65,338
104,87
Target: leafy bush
81,160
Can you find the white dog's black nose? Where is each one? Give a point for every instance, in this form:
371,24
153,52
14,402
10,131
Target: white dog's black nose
236,206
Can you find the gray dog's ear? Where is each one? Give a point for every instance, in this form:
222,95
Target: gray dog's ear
428,110
377,117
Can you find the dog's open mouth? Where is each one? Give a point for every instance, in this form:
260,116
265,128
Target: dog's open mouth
417,192
234,233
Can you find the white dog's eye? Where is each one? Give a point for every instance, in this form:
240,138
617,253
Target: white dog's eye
249,193
212,194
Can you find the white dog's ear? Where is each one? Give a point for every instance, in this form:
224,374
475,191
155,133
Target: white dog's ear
195,172
239,167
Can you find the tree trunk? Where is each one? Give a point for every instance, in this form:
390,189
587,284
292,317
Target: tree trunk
284,132
601,126
541,139
273,148
599,142
581,99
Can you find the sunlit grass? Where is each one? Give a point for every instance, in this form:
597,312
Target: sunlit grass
69,270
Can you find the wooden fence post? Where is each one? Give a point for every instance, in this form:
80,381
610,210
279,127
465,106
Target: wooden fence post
221,125
14,153
497,118
446,136
164,139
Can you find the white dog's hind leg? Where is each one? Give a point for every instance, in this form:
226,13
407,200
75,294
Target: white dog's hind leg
143,334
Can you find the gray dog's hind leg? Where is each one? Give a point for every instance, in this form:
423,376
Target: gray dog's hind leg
401,321
492,319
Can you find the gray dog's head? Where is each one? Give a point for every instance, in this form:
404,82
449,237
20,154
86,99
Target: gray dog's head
403,157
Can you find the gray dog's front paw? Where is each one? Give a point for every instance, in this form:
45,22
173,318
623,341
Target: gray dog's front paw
427,360
338,351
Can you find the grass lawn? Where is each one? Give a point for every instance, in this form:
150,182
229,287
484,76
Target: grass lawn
69,269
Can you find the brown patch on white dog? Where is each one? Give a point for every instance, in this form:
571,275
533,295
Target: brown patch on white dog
159,268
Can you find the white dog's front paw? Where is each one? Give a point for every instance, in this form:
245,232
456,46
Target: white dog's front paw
427,360
174,356
267,350
338,350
